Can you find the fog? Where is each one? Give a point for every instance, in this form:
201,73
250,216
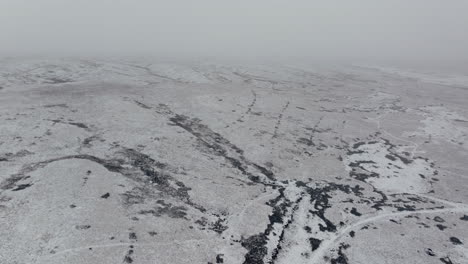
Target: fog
360,29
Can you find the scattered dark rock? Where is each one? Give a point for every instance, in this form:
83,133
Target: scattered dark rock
80,125
105,196
446,260
455,241
429,252
82,227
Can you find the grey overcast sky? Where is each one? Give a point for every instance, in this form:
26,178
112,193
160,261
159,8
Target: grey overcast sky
406,29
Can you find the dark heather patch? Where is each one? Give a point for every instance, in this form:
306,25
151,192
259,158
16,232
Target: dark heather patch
455,241
286,222
256,244
56,105
202,222
249,108
405,207
219,258
167,209
142,105
128,257
22,187
341,259
257,250
56,80
357,145
152,233
10,156
143,169
359,172
352,152
219,226
313,130
355,212
134,196
314,243
87,142
10,182
279,120
390,157
222,147
132,236
105,196
391,149
319,197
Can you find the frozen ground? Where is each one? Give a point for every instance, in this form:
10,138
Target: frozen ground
112,161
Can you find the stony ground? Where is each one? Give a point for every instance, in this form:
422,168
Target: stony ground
132,161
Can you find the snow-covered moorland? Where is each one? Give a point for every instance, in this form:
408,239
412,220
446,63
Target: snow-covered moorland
132,161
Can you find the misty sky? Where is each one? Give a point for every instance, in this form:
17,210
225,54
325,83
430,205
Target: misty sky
407,29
